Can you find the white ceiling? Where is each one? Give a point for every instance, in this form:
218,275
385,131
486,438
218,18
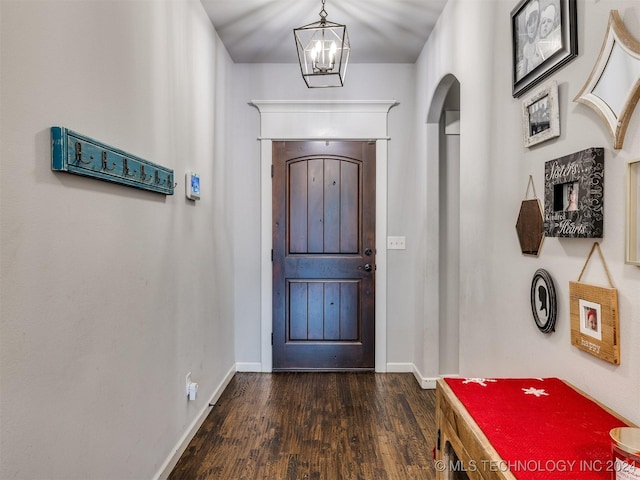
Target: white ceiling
380,31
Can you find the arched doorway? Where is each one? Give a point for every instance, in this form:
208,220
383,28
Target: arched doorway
443,127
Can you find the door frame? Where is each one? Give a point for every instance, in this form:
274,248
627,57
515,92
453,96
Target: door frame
323,120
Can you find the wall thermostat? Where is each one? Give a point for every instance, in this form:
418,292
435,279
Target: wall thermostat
192,185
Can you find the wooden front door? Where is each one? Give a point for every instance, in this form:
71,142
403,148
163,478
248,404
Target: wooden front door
323,255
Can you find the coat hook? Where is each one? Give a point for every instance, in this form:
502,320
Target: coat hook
104,163
125,167
143,174
79,154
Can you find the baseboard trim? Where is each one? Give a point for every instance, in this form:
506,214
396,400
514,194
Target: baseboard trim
249,367
426,383
183,443
399,367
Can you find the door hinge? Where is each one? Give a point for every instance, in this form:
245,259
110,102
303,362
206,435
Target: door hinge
272,254
271,338
271,171
438,445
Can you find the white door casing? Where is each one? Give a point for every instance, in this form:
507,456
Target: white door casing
323,120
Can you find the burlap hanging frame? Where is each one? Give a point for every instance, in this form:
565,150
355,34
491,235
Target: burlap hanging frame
594,316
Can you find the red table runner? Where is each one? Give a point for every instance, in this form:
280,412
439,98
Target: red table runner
542,428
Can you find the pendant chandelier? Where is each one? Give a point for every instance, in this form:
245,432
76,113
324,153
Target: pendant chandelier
323,52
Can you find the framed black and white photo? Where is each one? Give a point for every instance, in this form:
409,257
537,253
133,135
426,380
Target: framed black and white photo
574,195
544,38
544,304
540,117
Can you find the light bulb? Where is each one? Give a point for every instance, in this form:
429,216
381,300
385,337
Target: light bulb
332,53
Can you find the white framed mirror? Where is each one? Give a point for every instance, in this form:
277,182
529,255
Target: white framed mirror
633,213
613,88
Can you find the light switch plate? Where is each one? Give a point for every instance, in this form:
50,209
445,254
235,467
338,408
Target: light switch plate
396,243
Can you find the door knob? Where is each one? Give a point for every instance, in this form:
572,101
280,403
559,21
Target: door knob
367,267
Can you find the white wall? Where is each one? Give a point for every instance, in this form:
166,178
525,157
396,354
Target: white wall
498,335
110,295
363,82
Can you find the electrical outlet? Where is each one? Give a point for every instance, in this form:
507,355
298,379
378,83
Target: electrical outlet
188,383
396,243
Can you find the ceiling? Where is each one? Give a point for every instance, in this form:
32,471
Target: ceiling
380,31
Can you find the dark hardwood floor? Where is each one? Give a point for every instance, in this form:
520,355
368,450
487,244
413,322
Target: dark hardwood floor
321,426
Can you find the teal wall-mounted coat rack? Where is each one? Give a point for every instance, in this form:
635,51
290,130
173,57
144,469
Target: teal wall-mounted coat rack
75,153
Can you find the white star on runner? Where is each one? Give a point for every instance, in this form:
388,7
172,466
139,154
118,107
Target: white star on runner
534,391
479,381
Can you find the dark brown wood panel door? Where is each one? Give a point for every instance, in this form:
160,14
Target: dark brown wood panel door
323,255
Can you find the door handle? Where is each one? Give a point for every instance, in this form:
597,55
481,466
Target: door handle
367,267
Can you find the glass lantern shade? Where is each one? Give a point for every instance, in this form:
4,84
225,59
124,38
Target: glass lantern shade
323,53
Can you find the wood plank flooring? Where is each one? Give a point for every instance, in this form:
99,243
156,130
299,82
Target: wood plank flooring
319,426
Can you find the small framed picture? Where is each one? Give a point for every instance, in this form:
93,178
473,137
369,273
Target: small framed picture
594,320
540,115
544,38
544,305
590,319
633,213
574,195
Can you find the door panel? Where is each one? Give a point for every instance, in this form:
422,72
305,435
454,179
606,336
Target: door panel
323,310
324,221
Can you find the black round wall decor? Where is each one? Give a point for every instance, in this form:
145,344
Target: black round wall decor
544,305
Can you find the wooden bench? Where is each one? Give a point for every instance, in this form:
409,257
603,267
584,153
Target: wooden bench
524,429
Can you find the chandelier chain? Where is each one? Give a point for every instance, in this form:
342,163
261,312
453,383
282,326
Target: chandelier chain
323,14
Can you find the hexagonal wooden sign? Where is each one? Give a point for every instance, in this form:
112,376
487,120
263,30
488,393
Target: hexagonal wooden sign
530,227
